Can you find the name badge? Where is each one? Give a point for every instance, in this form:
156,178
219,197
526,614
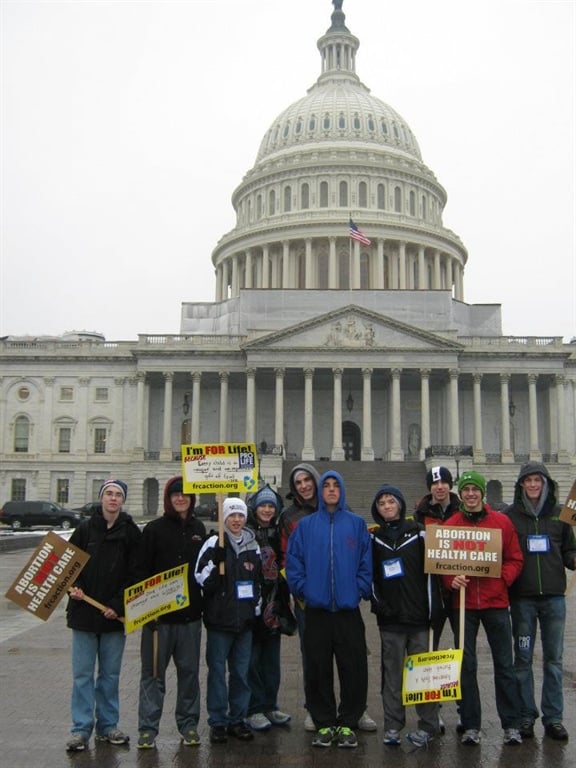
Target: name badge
538,543
393,569
245,590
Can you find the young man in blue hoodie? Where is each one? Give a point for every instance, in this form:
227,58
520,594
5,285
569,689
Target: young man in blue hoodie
329,568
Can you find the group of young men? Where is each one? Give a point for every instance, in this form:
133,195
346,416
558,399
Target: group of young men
331,561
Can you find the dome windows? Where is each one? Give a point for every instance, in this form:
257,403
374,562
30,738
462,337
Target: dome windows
326,122
286,131
312,123
298,126
363,194
397,199
343,194
341,121
371,124
381,197
323,194
356,122
305,196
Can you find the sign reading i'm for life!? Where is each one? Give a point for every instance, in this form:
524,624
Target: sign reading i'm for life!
219,467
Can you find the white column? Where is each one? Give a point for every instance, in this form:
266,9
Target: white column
402,264
223,426
279,408
251,405
396,452
308,452
166,450
355,266
425,408
437,281
140,377
225,279
507,455
453,409
248,269
379,265
563,455
337,453
367,451
535,452
265,267
422,275
332,273
235,276
478,440
195,425
285,264
308,264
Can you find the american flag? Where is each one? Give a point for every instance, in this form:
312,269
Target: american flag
356,234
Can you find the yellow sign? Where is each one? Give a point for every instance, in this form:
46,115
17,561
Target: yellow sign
432,677
220,467
47,576
162,593
473,551
568,513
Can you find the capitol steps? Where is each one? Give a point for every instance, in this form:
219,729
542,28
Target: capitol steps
364,478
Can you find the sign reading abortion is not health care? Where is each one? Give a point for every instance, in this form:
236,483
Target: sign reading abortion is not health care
473,551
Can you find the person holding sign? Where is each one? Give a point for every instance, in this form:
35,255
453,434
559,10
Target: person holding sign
487,603
537,596
231,603
329,568
169,541
404,599
111,538
265,668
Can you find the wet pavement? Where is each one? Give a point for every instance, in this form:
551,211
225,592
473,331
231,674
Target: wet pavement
35,690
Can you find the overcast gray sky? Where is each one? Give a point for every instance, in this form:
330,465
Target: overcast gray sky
126,126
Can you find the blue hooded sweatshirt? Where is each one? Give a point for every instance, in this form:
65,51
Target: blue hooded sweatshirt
329,558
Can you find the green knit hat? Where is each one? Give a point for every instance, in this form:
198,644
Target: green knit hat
471,477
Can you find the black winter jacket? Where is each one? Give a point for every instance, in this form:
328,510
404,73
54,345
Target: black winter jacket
412,598
543,573
169,542
223,610
111,568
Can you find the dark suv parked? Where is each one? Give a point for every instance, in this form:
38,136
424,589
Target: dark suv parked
25,514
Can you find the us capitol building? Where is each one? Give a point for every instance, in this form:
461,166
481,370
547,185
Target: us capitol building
318,347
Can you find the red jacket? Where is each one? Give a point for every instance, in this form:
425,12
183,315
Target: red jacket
489,592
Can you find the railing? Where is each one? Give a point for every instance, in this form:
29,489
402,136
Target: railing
449,450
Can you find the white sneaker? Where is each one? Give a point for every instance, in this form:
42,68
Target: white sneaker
277,717
471,736
309,723
258,722
391,737
366,723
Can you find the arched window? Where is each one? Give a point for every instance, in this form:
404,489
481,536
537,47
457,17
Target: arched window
356,122
384,127
312,123
323,194
298,127
287,199
412,204
286,129
371,126
305,196
341,121
343,194
326,122
272,203
364,271
397,199
423,206
363,194
21,435
395,130
259,207
381,195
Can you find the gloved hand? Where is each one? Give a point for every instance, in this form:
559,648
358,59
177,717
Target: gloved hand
219,555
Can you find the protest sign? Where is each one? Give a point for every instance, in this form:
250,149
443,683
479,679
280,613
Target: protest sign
473,551
47,576
162,593
219,467
432,677
568,513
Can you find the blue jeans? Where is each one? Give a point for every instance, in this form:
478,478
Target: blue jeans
180,642
496,623
95,701
227,704
550,612
264,676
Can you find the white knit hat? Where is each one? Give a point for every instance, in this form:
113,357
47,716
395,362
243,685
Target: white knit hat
233,506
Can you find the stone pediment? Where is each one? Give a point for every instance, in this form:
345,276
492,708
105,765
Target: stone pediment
352,327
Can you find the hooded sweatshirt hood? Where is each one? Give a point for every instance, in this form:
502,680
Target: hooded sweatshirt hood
303,467
549,493
392,490
174,485
342,502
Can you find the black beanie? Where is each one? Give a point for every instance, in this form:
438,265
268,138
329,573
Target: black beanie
439,473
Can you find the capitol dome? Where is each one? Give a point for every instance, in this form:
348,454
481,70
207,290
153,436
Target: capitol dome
337,155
